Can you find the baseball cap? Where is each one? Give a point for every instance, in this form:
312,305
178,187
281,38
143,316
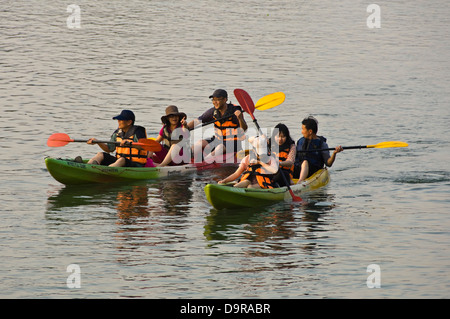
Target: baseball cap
219,93
125,115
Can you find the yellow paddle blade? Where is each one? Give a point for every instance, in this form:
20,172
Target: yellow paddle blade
269,101
388,144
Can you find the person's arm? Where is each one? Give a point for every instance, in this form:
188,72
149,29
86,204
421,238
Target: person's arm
242,167
332,158
193,124
159,138
205,117
233,176
290,158
242,122
271,167
184,128
108,148
103,146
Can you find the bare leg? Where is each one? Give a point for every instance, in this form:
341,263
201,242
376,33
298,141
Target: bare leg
244,184
119,163
168,157
173,155
97,159
304,171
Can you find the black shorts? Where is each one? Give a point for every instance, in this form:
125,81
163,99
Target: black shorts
108,159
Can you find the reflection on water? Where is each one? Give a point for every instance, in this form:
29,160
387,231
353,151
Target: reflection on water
131,202
278,222
147,205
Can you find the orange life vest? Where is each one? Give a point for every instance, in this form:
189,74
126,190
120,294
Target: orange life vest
228,129
264,180
133,154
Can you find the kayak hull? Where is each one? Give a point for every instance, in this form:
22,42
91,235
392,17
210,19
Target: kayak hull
69,172
225,196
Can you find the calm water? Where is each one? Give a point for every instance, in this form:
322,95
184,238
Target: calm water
162,239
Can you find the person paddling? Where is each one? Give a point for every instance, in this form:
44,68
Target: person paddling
308,161
173,132
283,148
127,154
230,126
257,168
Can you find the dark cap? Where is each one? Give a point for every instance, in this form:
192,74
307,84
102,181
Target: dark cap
219,93
125,115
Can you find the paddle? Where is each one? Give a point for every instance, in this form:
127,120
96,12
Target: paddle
379,145
247,104
264,103
62,139
211,122
270,101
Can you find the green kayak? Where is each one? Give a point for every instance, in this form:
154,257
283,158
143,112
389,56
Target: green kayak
69,172
227,196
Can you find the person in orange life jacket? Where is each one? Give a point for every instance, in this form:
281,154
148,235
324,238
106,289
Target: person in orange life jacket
282,147
126,153
307,163
229,132
173,135
257,168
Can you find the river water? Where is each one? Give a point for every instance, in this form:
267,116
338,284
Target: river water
384,209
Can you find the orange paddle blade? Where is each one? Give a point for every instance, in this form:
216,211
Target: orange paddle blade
295,198
58,140
149,144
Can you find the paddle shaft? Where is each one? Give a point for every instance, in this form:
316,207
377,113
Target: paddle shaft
379,145
96,142
148,145
332,149
211,122
107,142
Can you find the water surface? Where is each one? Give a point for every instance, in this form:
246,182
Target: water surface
162,239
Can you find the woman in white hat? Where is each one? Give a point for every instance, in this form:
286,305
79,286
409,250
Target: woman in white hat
257,168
